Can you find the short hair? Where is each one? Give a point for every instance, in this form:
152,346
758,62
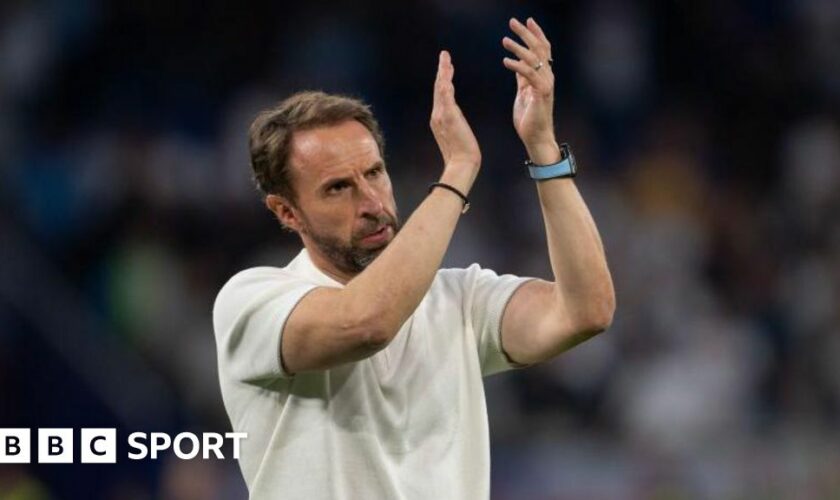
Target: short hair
271,134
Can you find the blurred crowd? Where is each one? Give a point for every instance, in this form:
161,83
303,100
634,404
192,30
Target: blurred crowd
708,141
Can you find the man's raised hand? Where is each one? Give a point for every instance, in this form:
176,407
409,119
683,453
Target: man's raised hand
534,104
455,138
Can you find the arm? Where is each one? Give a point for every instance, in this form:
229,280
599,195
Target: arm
544,319
332,326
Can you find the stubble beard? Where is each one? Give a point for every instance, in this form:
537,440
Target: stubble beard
352,258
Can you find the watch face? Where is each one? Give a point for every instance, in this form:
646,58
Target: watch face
566,153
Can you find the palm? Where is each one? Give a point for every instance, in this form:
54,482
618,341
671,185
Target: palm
531,111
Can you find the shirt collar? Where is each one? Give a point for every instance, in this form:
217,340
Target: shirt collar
302,264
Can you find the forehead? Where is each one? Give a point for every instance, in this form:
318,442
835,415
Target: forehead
323,151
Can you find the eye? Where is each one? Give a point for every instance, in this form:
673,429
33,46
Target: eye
374,172
337,187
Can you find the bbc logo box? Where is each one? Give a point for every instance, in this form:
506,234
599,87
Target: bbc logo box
15,446
99,446
56,446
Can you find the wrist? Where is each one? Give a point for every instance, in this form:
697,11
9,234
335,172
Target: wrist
543,153
442,185
459,176
564,167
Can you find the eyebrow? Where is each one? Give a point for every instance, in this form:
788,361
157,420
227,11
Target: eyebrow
333,180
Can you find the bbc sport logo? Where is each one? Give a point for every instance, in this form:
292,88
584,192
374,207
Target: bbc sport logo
99,446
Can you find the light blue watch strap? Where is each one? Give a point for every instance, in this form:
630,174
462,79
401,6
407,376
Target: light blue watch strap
561,169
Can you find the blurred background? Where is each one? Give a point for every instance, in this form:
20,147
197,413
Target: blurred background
708,139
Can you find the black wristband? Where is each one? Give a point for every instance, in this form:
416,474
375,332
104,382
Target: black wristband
454,190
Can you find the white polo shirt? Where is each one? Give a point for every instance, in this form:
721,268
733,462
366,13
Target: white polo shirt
409,422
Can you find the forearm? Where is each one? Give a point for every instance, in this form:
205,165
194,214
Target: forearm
386,293
575,249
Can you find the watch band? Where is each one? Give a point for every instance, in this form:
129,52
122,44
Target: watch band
563,168
566,167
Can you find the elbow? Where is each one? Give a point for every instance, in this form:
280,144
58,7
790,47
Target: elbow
602,306
576,324
601,321
371,334
604,311
365,327
374,338
598,316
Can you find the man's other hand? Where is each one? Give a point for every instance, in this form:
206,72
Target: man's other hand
533,107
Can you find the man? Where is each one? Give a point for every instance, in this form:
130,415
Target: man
357,369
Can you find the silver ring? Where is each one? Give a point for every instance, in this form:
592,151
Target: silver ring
538,66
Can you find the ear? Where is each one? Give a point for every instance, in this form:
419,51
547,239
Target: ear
285,212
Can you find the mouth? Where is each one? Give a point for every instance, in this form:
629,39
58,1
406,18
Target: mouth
379,236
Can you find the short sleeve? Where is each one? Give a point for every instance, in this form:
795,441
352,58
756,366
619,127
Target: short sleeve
488,295
248,318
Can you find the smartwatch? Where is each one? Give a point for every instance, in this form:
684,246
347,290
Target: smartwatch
566,167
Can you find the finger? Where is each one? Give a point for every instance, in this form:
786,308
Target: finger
531,75
443,82
535,28
525,34
448,70
519,51
524,54
444,63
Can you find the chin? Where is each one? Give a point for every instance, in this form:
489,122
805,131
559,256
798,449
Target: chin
378,247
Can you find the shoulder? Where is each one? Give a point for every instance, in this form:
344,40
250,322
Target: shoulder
459,281
458,273
476,281
253,286
454,277
300,271
464,276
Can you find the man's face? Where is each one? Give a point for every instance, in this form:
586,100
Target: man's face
345,211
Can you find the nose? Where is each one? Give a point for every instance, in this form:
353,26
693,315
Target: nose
370,201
